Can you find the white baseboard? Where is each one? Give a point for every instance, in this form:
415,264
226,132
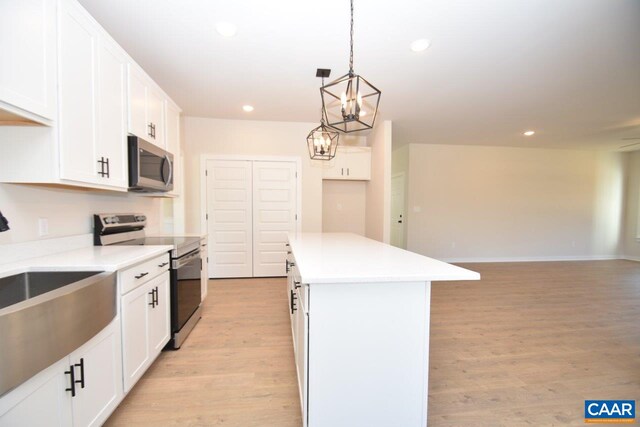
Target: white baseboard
630,258
13,252
534,259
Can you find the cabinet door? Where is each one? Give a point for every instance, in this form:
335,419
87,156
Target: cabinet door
335,168
358,163
78,41
135,338
28,46
301,343
112,119
42,401
98,367
155,111
159,315
138,121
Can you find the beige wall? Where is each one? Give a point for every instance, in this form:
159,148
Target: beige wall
499,203
68,211
378,194
344,206
251,138
630,243
400,164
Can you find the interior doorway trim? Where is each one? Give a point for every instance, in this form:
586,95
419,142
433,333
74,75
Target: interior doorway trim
203,182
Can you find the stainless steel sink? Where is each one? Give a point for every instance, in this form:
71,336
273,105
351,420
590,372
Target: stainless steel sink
45,316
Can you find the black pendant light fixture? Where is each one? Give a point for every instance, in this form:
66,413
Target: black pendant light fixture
350,103
322,141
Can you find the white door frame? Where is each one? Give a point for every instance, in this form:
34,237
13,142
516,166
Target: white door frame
203,182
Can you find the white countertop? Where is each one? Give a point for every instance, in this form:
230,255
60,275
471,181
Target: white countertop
350,258
90,258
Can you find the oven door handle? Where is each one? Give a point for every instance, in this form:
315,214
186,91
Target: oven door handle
180,262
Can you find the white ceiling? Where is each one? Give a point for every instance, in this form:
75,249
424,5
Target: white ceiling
568,69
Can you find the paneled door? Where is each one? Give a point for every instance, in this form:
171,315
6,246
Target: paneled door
274,215
229,218
251,206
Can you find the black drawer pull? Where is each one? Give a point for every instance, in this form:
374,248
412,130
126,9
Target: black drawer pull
293,302
81,366
296,284
163,264
72,374
141,275
153,298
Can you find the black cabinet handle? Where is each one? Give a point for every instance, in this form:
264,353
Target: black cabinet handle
347,171
102,162
150,126
81,366
108,170
287,266
296,284
141,275
72,377
163,264
293,302
155,291
153,298
342,171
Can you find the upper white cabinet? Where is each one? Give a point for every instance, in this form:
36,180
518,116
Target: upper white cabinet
92,86
101,97
350,163
27,68
146,109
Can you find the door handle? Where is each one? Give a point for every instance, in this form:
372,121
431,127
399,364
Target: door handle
400,222
153,298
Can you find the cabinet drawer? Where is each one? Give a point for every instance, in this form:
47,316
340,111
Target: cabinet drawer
137,275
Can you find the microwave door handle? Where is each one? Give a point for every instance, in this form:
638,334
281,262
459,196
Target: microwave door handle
168,180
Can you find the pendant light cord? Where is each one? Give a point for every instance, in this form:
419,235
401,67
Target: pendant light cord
351,52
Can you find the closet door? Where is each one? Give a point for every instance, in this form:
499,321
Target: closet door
229,224
274,215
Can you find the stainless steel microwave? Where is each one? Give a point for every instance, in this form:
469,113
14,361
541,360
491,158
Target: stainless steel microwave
150,167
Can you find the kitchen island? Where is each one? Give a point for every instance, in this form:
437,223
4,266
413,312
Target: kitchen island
360,321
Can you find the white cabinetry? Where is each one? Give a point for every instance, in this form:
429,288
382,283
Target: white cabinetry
146,108
146,324
360,324
350,163
50,399
92,104
27,69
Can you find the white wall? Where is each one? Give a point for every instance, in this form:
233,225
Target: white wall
630,243
378,197
499,203
252,138
69,211
344,206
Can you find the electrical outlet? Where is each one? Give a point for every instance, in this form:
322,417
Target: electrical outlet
43,227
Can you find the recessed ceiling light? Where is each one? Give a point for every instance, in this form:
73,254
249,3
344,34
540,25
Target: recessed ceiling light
529,133
420,45
247,108
226,29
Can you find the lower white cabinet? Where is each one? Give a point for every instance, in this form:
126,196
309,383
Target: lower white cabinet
145,326
51,399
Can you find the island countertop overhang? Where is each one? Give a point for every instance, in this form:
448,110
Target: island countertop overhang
350,258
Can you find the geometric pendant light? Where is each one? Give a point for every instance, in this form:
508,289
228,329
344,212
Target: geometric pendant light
322,141
350,103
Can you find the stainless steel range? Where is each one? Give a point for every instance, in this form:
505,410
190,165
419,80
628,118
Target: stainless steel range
186,266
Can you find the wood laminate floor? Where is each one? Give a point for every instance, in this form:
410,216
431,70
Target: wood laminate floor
523,347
